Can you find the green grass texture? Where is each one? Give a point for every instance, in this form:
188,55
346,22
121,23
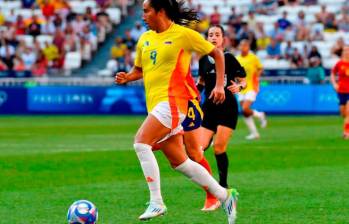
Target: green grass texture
298,172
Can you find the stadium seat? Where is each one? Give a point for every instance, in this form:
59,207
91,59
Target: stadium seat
330,62
42,39
28,39
72,60
114,14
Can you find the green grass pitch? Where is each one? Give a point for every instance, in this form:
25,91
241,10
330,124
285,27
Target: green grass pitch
298,172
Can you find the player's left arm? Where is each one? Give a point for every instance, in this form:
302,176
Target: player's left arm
196,42
235,68
217,93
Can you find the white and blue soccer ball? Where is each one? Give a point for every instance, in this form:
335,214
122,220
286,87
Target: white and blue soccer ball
82,212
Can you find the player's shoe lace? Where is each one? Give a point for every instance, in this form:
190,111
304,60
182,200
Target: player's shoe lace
154,209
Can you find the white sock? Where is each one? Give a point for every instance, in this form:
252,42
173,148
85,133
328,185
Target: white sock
199,175
150,170
251,125
257,114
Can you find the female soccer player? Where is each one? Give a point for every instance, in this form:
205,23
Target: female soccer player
342,87
220,119
253,68
163,60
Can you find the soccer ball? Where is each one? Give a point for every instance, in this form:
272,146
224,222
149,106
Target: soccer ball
82,212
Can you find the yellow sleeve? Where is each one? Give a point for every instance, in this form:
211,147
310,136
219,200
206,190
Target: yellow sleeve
197,43
138,57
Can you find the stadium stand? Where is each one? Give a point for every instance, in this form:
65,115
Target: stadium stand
62,34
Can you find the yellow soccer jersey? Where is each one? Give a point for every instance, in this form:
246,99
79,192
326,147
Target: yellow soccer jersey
251,64
165,60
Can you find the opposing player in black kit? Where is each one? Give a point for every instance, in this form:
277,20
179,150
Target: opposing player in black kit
220,119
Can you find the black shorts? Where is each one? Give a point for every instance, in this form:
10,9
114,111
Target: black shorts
225,114
343,98
194,116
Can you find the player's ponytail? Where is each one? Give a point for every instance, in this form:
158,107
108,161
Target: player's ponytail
176,11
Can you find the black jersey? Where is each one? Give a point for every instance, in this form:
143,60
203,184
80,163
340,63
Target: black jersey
225,114
207,71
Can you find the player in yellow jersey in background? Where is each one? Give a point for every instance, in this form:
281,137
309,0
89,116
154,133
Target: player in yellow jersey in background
254,69
163,57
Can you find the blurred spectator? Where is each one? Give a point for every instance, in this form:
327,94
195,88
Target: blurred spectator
118,51
28,3
215,17
251,21
59,39
314,52
315,72
20,26
58,22
274,49
310,2
137,31
51,52
18,64
296,59
289,34
345,7
103,20
330,23
6,49
72,41
47,9
104,3
89,16
322,15
89,37
244,32
28,57
338,47
62,7
48,28
232,17
123,6
11,18
289,50
34,27
292,2
129,41
276,32
317,35
262,39
301,26
267,7
3,66
343,22
283,22
78,24
39,68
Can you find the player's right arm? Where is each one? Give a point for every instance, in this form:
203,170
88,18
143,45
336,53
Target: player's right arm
136,72
123,77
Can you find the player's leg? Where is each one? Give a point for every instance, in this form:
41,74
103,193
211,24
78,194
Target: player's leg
220,146
144,140
195,153
175,153
346,119
248,118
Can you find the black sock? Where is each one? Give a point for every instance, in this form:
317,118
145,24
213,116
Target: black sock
222,164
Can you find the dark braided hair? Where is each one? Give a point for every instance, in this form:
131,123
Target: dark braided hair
176,11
